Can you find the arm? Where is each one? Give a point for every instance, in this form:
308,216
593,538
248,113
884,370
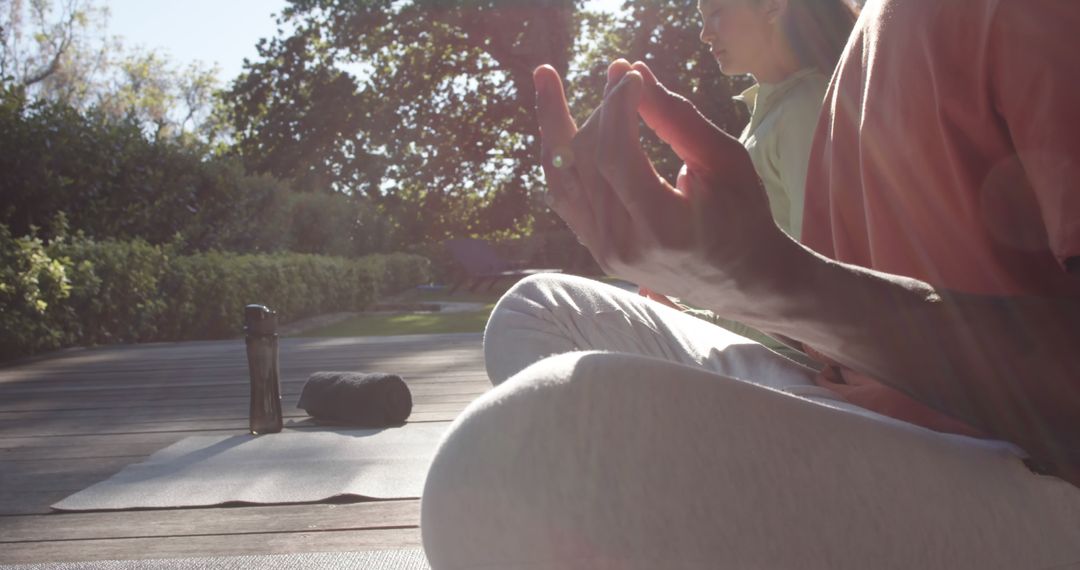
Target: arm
1008,366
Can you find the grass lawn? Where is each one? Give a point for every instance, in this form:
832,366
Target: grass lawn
391,324
419,322
407,323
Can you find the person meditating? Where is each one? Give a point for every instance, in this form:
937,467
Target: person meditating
938,282
790,48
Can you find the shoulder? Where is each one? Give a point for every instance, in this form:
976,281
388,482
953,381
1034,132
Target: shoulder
808,91
802,103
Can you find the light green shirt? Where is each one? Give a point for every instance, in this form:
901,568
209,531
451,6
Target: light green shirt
783,117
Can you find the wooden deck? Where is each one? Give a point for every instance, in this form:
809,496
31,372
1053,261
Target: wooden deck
77,418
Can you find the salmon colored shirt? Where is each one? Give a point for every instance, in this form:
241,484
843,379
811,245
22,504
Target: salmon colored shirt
949,151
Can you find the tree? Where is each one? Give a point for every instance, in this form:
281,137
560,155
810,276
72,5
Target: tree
53,50
426,107
421,106
168,101
58,50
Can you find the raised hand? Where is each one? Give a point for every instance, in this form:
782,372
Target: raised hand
708,231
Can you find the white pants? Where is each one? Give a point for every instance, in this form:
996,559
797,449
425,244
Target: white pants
655,440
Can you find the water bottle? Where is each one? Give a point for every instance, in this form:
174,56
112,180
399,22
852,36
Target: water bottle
260,328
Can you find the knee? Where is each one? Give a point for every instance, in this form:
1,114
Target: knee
479,504
524,473
527,323
542,290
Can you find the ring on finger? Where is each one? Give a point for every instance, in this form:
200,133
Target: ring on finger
563,158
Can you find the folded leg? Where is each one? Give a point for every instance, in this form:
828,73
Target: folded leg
607,460
546,315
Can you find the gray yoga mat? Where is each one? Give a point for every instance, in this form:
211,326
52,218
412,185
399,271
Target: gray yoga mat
288,467
378,560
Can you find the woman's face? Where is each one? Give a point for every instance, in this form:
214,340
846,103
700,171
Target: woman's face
738,32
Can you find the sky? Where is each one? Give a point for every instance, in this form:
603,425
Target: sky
211,31
221,32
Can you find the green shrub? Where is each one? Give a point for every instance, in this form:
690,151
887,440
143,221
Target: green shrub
81,292
33,287
114,289
113,182
206,292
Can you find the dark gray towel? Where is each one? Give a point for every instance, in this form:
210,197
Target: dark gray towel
355,398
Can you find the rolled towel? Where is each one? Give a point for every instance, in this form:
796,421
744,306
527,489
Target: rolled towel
355,398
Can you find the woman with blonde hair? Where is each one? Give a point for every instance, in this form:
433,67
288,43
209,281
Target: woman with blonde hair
790,47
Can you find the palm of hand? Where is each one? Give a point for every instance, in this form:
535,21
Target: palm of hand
712,223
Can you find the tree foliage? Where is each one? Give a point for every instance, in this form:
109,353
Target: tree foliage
58,50
52,48
426,107
422,106
111,180
364,125
166,100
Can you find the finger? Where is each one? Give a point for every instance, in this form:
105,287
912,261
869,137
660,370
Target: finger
577,210
557,127
615,73
621,160
610,220
565,198
699,143
557,131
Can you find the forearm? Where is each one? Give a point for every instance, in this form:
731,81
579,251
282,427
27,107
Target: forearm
1009,366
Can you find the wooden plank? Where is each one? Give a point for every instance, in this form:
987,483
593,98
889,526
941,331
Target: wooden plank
81,388
31,502
67,481
415,357
135,450
206,410
440,393
46,456
86,394
211,545
93,419
63,426
237,426
289,400
86,387
188,522
289,365
91,441
14,470
215,355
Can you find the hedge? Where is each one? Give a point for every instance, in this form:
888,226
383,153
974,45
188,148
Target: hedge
81,292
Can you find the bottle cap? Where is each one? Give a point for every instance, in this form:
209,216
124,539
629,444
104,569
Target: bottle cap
260,320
